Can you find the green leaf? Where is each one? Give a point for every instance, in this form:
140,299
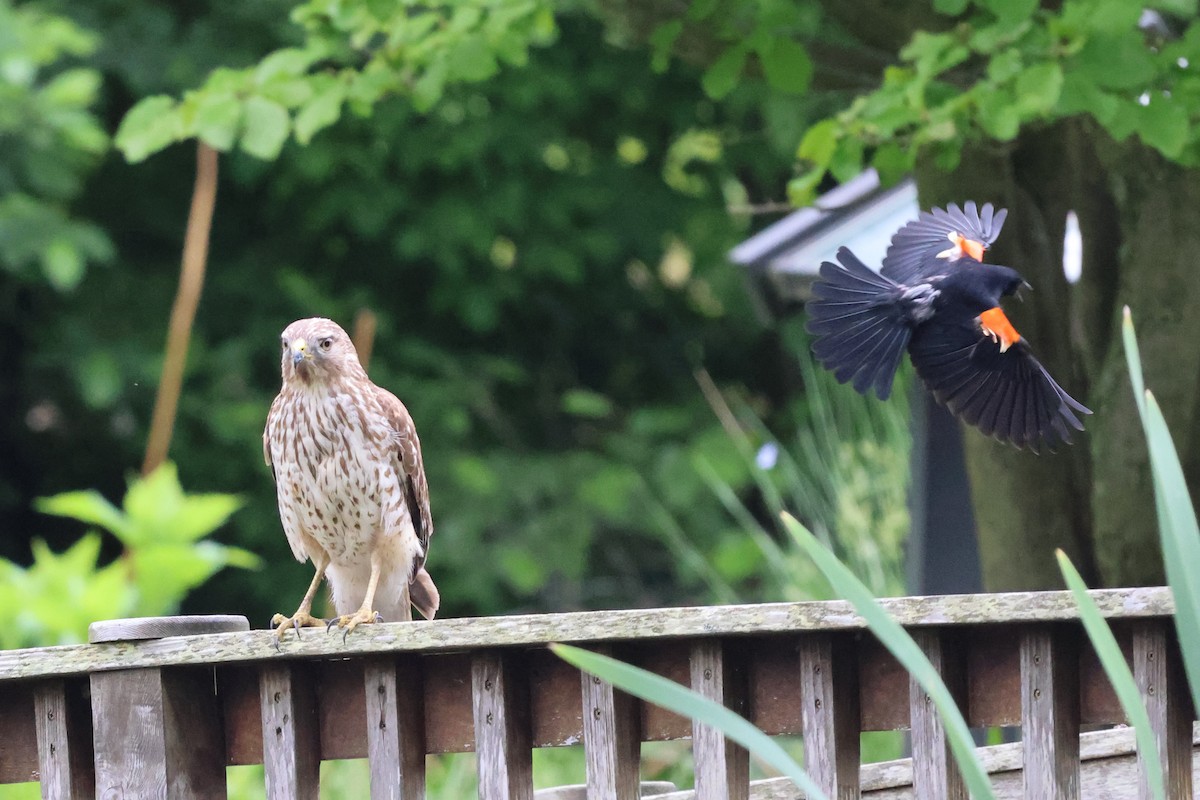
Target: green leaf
847,159
819,142
662,41
586,403
86,506
802,190
719,79
217,118
787,66
149,126
266,128
673,697
1116,61
320,112
1177,526
1118,672
892,162
1038,88
1011,11
1081,95
74,87
907,652
998,114
951,8
1163,124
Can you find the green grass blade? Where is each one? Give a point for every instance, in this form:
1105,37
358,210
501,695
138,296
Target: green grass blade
1180,538
1178,530
1119,674
906,651
682,700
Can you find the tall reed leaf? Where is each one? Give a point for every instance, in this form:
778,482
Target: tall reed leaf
1119,674
1177,526
682,700
906,651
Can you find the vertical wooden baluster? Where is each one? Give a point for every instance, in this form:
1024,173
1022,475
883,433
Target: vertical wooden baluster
503,739
935,772
64,741
1160,679
830,718
611,739
395,690
1050,712
291,732
157,734
722,767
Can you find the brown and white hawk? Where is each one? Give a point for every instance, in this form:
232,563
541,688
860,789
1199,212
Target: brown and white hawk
350,481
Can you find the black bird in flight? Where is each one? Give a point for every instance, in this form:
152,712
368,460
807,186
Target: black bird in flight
936,297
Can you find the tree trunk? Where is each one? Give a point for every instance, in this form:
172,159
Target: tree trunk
1137,217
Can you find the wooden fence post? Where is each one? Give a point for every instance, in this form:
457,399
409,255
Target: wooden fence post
64,737
935,772
611,738
157,732
290,731
1159,675
395,728
830,718
722,767
1050,711
503,739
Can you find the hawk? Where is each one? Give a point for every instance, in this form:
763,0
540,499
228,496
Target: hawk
350,481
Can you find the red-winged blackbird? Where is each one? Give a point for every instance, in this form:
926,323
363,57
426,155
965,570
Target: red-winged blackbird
936,297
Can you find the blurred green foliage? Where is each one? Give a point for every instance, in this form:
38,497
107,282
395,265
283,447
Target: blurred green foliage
54,599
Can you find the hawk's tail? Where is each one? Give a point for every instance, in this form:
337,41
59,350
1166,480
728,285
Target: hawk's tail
424,594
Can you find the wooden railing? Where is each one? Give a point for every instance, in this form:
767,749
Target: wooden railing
163,718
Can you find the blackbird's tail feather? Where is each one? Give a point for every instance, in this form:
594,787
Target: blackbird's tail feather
860,325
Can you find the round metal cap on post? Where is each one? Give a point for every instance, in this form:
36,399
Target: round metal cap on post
141,628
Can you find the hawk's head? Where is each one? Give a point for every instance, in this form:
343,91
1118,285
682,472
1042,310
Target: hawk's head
317,350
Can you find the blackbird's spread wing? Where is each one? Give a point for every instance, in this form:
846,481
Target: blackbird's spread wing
1007,395
913,253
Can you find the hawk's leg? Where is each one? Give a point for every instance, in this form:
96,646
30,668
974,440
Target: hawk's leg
365,614
303,617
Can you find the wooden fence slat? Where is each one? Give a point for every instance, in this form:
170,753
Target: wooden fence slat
1050,712
291,735
1164,690
722,767
157,734
830,714
503,739
935,772
395,697
612,741
64,739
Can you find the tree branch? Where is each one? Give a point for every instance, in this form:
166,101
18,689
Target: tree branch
183,313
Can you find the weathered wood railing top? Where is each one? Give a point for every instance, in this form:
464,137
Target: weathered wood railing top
395,692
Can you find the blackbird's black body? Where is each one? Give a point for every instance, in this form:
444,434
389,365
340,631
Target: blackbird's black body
942,306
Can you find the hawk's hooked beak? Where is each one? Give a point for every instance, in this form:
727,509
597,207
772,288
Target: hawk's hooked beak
299,349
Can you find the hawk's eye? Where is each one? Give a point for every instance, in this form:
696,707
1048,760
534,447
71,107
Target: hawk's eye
326,343
283,343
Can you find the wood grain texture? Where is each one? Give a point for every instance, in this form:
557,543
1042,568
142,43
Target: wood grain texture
612,740
935,772
1050,712
395,697
722,767
290,731
1163,686
830,713
593,626
64,740
157,734
1109,772
503,742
